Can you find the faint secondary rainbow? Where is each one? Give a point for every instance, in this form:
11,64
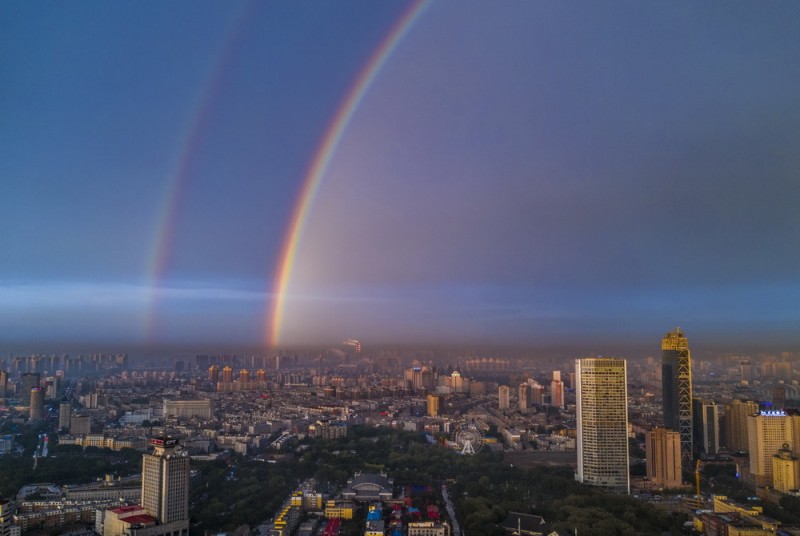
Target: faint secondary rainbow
180,169
322,158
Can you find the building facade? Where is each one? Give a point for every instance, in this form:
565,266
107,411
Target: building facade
602,422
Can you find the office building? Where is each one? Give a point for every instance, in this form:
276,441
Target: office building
503,396
602,422
37,404
736,424
676,379
165,483
663,451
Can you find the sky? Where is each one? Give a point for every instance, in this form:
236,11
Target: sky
512,172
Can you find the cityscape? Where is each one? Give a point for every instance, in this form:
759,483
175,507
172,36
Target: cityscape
706,444
402,268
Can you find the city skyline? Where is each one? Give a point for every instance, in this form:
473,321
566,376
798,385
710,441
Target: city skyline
265,175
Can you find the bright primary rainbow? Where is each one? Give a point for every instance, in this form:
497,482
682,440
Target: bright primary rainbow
322,158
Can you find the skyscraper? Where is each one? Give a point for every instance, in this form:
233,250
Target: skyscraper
165,483
37,404
706,426
602,418
676,377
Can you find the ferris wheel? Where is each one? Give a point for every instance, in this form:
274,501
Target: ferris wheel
468,438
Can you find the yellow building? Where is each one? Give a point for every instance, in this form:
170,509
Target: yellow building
341,509
433,406
768,432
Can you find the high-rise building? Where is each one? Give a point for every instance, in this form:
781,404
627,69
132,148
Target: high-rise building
37,404
736,424
524,396
29,381
706,426
64,412
768,431
503,396
213,373
165,482
602,419
663,451
537,394
3,383
433,406
676,378
227,374
557,390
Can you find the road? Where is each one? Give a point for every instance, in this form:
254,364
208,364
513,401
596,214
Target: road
450,510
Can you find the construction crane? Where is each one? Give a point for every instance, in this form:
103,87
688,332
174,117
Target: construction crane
697,478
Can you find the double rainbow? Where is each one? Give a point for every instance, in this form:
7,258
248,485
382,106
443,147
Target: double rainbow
180,171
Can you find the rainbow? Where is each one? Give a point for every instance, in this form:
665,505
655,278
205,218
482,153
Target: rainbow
180,170
322,158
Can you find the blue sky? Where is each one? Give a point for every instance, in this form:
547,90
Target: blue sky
536,173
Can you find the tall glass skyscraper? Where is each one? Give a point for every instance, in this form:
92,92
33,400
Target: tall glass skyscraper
602,419
676,378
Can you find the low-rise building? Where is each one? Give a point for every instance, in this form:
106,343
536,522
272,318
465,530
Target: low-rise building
428,528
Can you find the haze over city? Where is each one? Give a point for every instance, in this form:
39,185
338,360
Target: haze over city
269,174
